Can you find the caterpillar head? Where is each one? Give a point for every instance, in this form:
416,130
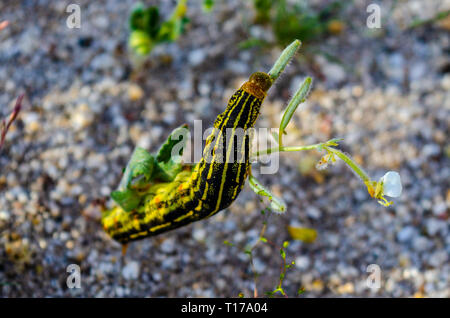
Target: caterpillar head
258,84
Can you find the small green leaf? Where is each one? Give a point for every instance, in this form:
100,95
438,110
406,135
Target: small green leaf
127,199
275,203
137,17
298,98
167,172
152,24
141,164
208,5
251,43
172,29
169,155
228,243
178,139
283,254
140,42
137,176
263,239
285,244
281,63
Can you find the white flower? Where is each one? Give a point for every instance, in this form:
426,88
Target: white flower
392,184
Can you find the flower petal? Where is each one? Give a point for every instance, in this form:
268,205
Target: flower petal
392,184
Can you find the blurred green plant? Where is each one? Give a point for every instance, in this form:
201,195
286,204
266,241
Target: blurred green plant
295,21
208,5
437,17
147,29
262,8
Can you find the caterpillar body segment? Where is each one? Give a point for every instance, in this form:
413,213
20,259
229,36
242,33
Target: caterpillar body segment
208,187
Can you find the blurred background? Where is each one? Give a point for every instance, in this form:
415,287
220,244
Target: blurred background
95,92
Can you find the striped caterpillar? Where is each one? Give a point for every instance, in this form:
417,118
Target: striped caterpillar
207,188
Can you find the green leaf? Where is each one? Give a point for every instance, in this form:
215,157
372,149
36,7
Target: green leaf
252,42
263,239
264,5
140,42
208,5
152,27
146,20
166,172
292,21
275,203
281,63
127,199
136,177
139,169
262,8
298,98
283,254
178,138
285,244
172,28
228,243
137,17
169,155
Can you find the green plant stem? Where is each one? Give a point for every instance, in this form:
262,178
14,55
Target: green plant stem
284,59
439,16
287,149
299,97
359,171
255,274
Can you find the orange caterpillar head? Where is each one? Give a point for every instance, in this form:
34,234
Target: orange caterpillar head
258,84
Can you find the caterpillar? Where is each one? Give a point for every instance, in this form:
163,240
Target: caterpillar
207,188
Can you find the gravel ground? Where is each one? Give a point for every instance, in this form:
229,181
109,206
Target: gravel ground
86,109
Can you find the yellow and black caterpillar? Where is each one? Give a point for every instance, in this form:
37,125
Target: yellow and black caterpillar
210,186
